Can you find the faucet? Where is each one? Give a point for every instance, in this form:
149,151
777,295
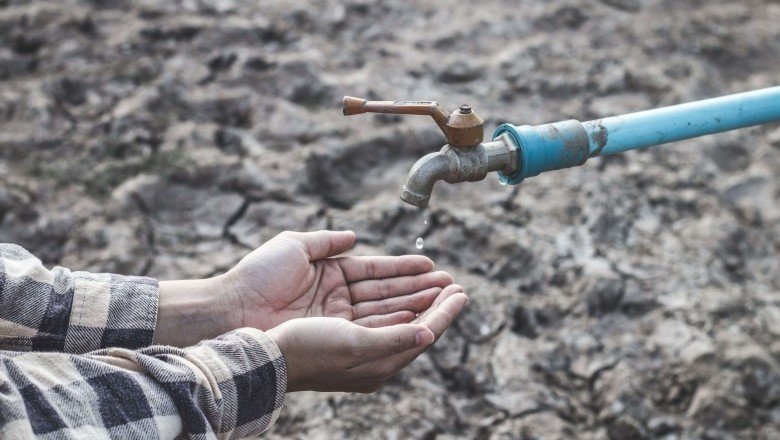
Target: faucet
457,164
465,158
519,152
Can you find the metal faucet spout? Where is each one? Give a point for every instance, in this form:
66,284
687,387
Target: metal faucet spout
423,175
454,165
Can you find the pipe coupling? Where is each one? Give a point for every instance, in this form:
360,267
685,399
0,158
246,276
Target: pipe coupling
545,147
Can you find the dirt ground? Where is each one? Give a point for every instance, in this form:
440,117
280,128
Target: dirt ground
634,297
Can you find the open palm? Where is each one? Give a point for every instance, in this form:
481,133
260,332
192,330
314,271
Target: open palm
296,275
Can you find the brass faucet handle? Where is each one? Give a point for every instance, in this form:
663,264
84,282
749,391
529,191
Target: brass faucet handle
355,106
461,128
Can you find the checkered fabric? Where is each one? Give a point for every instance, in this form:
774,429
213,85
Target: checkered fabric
75,312
229,387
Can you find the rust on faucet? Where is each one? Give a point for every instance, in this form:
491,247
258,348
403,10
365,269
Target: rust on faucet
461,128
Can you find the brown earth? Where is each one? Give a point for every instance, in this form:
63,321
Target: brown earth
633,297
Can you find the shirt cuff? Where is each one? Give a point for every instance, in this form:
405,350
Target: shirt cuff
251,375
111,311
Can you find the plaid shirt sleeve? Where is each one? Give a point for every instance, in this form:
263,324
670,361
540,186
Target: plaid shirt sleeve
54,385
229,387
73,312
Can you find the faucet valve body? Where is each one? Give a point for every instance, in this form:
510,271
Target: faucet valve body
464,159
453,165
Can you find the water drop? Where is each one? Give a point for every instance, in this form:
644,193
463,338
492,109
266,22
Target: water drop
419,243
425,221
502,182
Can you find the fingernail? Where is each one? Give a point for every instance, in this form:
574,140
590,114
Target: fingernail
420,337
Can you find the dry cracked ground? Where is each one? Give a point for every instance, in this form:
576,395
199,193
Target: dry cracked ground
634,297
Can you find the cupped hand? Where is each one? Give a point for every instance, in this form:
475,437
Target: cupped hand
297,275
330,354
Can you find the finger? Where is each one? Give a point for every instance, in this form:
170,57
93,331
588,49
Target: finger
323,244
445,313
368,268
437,321
415,302
388,341
374,321
372,290
445,293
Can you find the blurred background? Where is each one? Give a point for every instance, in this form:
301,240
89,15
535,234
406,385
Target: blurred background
633,297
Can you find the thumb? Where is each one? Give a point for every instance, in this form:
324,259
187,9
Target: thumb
387,341
323,244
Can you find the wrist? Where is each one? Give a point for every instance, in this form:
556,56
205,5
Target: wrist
277,335
193,310
224,303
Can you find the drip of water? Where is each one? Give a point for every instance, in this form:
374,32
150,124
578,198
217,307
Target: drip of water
502,182
425,221
419,243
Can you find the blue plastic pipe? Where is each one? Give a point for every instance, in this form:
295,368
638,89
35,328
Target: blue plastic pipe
570,143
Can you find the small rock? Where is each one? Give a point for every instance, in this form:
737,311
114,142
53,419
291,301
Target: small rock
762,383
515,262
679,340
662,425
26,43
69,91
722,302
524,322
222,62
698,350
459,72
624,5
626,428
234,110
749,195
304,85
259,63
730,157
769,317
177,33
637,300
13,67
717,406
229,141
543,425
570,17
733,251
482,320
604,296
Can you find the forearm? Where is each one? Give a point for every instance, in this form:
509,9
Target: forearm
193,310
233,384
74,312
